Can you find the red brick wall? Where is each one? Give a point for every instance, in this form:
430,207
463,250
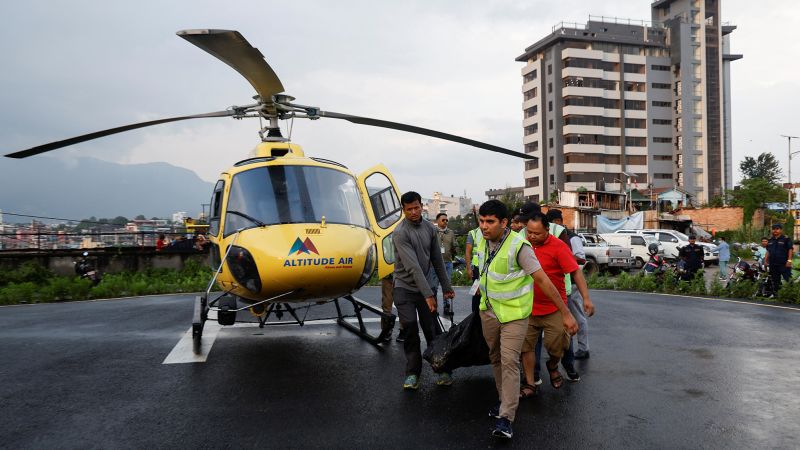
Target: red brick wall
721,219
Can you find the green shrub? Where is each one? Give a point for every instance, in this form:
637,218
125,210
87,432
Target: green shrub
717,289
789,293
743,289
15,293
597,281
28,272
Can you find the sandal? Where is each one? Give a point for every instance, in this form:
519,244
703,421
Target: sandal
526,391
556,381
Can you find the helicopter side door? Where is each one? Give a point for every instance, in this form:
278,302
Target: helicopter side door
382,203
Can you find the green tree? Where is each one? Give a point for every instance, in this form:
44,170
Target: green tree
753,193
119,221
140,217
764,166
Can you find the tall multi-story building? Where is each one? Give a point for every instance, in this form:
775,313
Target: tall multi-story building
609,105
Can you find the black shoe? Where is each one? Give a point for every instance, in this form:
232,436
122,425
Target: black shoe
385,337
581,354
494,411
572,374
502,429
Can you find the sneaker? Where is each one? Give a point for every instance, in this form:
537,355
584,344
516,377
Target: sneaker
445,379
401,336
582,354
411,383
502,429
537,381
572,374
494,411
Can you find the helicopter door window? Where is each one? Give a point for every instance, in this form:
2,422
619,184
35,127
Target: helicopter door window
216,208
383,199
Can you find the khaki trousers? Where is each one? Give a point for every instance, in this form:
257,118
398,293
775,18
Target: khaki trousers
505,345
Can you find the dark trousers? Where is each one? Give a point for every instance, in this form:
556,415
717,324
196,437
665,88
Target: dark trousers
476,299
411,305
775,274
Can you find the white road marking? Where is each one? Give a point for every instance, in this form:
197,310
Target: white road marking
793,308
183,352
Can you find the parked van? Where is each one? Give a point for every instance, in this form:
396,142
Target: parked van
673,241
638,244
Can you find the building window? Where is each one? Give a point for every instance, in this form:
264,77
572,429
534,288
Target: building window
635,141
635,123
532,164
636,160
662,121
532,111
530,76
598,102
633,68
529,94
552,161
660,85
532,182
662,140
662,157
550,142
638,105
552,179
531,129
532,147
550,105
591,158
633,86
662,104
549,87
592,139
660,68
549,69
662,176
550,124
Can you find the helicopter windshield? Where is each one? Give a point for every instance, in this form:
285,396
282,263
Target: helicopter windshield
293,194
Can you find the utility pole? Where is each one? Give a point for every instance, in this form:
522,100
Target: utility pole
789,205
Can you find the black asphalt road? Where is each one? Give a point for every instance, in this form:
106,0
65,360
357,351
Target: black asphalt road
664,372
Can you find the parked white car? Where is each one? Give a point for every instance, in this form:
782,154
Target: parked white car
673,241
637,243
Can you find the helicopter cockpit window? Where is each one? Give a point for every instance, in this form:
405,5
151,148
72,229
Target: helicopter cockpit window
216,208
293,194
383,199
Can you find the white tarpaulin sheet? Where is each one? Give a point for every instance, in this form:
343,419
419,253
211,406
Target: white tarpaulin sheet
633,222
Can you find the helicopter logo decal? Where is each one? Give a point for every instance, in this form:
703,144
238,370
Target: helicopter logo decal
303,247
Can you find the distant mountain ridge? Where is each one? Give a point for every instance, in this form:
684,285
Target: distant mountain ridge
86,187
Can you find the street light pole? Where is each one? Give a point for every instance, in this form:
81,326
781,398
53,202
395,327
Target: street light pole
789,204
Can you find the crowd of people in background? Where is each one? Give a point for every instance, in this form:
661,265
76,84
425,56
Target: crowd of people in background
528,289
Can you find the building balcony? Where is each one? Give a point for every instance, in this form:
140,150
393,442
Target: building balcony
581,72
593,167
529,85
633,95
593,148
581,53
635,114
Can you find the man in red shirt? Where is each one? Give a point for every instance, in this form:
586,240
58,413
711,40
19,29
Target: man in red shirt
554,320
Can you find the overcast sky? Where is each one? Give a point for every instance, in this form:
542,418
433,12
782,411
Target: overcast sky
70,68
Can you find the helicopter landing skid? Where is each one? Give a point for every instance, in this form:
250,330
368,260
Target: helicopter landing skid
361,330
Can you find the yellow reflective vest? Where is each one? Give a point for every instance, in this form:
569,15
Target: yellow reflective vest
477,241
503,283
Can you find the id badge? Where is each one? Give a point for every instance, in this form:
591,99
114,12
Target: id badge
442,249
475,285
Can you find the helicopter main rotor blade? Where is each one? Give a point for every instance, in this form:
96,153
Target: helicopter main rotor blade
423,131
98,134
233,49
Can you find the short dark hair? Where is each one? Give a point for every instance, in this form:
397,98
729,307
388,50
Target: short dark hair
691,236
440,215
538,217
494,208
554,214
764,238
410,197
777,226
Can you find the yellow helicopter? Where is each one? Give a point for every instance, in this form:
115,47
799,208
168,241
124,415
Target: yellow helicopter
286,228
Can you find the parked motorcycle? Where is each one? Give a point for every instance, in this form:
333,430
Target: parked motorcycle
85,269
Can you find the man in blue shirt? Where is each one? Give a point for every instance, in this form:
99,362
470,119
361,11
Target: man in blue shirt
779,257
724,257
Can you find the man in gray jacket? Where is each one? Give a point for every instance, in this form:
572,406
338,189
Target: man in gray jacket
418,258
